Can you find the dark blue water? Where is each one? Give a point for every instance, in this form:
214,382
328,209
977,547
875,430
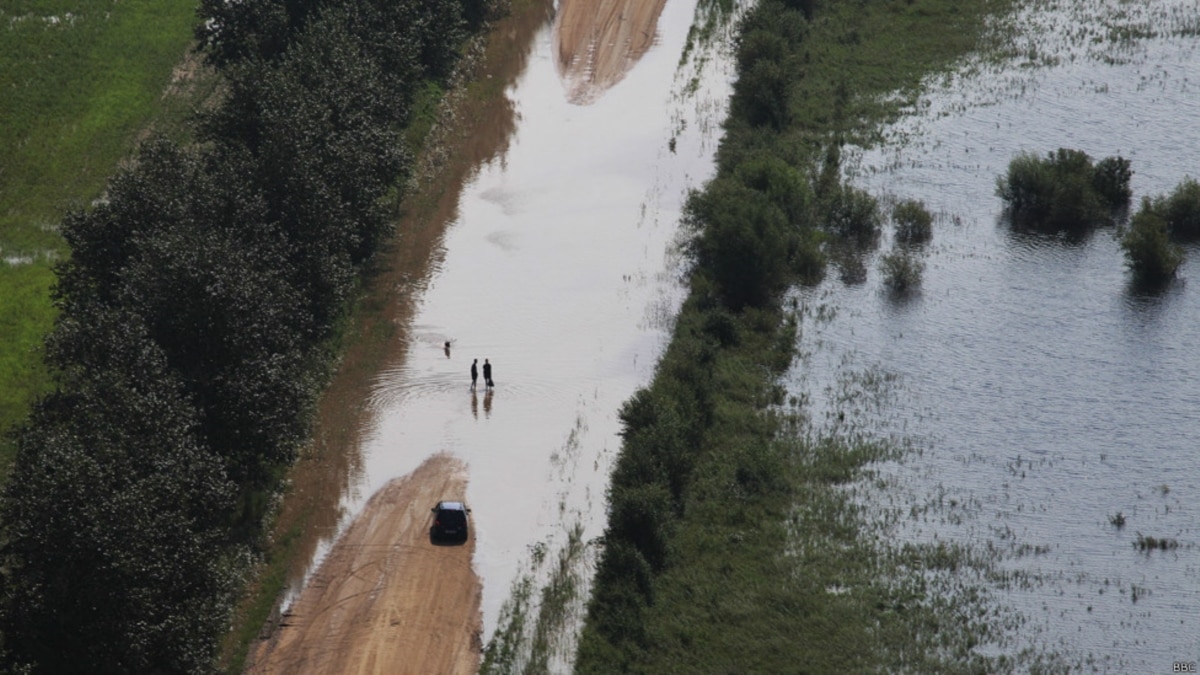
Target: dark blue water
1043,394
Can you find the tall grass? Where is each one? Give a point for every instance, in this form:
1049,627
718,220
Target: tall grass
80,79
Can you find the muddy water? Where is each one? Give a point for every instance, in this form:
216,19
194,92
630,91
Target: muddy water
1042,393
553,260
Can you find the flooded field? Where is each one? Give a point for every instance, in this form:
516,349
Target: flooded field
557,266
1049,407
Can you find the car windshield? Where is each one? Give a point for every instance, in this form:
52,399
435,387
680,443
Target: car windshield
452,517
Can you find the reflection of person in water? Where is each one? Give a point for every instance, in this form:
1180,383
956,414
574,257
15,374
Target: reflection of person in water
487,404
475,373
475,405
487,374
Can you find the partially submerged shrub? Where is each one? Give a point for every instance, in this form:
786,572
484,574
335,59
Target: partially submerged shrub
1149,251
1181,210
914,225
901,270
853,215
1111,179
1145,543
1064,191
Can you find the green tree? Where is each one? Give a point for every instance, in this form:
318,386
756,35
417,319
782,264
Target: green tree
1181,210
113,519
1149,252
741,242
1064,191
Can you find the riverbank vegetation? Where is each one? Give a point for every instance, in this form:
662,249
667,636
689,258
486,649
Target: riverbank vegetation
731,542
196,317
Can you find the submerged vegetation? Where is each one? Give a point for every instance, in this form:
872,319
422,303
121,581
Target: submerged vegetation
1149,252
1152,240
1064,191
196,315
914,224
1180,210
901,270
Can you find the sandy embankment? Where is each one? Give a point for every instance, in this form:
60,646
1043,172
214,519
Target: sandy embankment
598,41
386,599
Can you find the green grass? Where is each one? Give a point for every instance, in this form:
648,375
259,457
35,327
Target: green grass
79,81
24,319
863,62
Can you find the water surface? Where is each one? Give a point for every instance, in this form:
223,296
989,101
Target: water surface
1043,393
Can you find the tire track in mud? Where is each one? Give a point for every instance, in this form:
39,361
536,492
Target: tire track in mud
386,598
597,42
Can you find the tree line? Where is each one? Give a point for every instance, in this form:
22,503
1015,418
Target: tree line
196,317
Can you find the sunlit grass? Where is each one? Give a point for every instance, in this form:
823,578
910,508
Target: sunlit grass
80,80
24,319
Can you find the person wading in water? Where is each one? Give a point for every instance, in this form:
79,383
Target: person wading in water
487,374
475,373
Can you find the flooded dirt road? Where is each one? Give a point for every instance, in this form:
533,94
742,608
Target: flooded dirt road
544,245
369,609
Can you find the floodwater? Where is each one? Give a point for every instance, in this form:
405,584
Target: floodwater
1042,394
553,259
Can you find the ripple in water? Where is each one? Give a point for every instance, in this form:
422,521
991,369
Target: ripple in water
1046,394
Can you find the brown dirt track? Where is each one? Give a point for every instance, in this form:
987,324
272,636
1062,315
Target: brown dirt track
387,599
598,41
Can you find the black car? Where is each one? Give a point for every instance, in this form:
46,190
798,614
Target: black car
449,521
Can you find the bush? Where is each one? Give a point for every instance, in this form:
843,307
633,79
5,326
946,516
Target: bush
914,225
853,215
741,240
1149,251
901,270
1064,191
1111,180
1181,210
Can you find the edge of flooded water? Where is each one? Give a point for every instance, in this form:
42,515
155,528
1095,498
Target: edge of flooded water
476,120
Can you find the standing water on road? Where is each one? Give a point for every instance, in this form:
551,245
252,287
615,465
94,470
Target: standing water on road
558,267
1050,407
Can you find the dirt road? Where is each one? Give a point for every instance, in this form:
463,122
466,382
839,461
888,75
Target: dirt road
599,41
386,599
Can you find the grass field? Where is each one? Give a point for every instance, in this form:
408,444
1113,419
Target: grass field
81,79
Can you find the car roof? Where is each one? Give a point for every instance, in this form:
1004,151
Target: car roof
452,506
